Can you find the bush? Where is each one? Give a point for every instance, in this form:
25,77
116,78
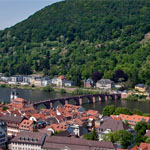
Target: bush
132,98
48,89
3,85
62,91
83,92
4,108
32,85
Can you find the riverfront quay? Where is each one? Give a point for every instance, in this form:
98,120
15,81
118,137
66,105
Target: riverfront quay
37,95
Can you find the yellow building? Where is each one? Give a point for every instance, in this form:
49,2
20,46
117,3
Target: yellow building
141,87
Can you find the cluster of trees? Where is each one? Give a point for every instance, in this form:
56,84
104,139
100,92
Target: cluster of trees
111,110
140,129
79,37
123,137
91,136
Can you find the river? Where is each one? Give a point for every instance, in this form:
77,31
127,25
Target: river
35,95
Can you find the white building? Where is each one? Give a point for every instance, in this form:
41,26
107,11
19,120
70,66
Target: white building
105,84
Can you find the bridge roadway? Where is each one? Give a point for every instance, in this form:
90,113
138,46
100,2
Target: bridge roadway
78,99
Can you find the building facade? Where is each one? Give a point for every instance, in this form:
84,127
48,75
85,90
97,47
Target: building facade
105,84
27,141
3,134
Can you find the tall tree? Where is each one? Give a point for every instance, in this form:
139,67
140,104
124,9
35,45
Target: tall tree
119,75
97,76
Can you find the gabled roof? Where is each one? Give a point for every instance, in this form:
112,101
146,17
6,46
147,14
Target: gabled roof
144,146
26,137
26,125
12,118
105,81
58,142
141,85
114,125
133,119
61,77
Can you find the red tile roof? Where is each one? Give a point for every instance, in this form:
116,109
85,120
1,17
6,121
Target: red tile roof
115,117
26,125
58,127
144,146
133,119
61,77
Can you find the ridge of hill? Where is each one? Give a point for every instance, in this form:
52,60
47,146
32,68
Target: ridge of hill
78,37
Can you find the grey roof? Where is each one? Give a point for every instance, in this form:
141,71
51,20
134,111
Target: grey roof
64,133
12,118
141,85
75,143
68,81
114,125
89,81
51,120
36,138
105,81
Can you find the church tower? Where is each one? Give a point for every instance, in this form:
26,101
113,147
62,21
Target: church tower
14,94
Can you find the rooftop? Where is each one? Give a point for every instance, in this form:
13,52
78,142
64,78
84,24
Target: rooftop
74,143
35,138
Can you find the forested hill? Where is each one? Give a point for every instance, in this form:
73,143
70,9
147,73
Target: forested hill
79,37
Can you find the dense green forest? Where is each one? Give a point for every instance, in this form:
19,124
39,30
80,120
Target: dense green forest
78,37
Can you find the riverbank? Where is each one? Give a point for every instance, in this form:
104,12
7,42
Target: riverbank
70,90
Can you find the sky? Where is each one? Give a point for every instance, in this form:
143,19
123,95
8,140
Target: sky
14,11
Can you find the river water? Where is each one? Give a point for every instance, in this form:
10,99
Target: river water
35,95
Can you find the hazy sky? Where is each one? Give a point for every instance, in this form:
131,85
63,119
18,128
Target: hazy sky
14,11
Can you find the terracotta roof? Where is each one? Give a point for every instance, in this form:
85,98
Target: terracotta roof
133,119
92,112
134,148
38,116
19,100
144,146
57,127
61,77
78,121
115,117
26,125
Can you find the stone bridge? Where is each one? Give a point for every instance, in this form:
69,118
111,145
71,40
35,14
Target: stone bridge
78,99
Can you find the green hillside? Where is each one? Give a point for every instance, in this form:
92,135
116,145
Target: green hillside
78,37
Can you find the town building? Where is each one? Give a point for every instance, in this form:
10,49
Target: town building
26,125
133,119
60,80
141,87
105,84
13,123
54,81
3,134
16,78
68,83
77,130
110,125
88,83
67,143
28,141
